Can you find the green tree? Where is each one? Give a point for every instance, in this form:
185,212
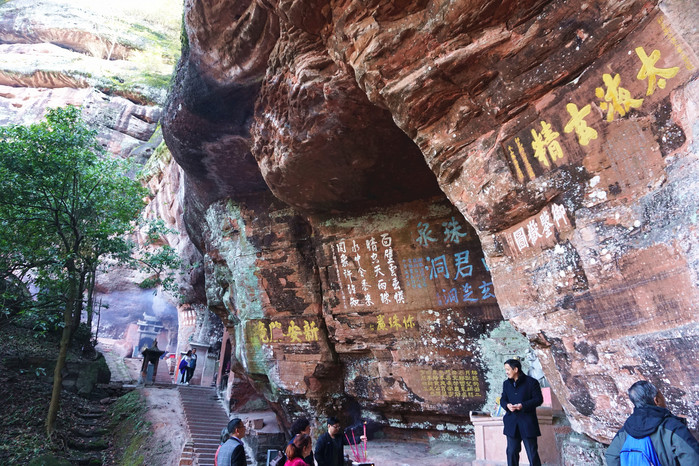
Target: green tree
64,207
157,258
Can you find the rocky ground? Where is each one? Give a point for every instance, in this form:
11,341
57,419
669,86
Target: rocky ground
27,363
85,427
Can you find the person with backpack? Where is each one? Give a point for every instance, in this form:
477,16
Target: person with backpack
652,435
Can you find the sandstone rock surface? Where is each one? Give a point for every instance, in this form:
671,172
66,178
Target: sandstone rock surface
114,60
562,133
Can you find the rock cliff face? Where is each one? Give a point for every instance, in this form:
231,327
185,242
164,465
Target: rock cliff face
376,185
114,61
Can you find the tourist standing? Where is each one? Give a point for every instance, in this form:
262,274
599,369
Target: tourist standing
191,365
183,367
330,446
651,422
303,426
521,395
299,448
232,452
330,450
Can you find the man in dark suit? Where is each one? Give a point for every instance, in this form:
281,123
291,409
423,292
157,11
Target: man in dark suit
521,395
232,452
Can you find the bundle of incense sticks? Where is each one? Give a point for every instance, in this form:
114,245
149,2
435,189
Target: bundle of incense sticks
358,452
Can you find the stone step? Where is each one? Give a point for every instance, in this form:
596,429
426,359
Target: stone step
212,407
202,404
206,457
198,413
214,422
217,410
199,401
206,445
205,419
203,414
210,437
206,433
214,427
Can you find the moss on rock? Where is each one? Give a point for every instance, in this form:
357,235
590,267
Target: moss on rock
130,430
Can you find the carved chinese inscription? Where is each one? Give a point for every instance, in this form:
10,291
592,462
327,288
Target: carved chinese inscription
626,81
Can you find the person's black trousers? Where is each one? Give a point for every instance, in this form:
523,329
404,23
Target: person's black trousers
514,446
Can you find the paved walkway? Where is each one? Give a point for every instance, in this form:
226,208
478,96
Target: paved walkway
128,370
115,362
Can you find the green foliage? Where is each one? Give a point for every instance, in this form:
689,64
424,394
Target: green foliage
49,460
184,38
64,205
158,259
82,335
62,200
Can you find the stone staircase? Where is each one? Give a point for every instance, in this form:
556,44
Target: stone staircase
205,418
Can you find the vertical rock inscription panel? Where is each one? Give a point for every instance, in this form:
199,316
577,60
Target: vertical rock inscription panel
409,290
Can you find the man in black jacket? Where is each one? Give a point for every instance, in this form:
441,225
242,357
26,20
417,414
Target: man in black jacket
671,439
330,445
521,395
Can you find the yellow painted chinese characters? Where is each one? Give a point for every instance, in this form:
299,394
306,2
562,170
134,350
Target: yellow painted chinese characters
616,98
272,332
649,71
578,124
546,140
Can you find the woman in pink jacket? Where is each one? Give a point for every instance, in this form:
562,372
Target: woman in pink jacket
297,450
